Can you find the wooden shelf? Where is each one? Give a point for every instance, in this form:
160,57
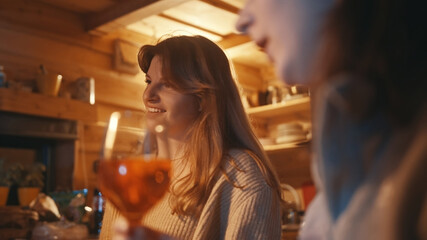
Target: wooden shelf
299,107
45,106
291,161
280,109
276,148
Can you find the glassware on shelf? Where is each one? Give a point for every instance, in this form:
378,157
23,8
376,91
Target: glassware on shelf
98,206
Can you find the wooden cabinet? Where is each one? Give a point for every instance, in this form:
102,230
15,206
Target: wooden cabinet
290,235
52,127
290,160
266,118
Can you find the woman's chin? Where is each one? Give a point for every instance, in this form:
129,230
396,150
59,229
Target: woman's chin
290,74
151,124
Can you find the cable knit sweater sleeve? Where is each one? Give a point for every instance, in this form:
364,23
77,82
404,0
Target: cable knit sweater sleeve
255,218
250,211
256,213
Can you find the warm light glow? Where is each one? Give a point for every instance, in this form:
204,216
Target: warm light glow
294,90
58,82
159,128
294,193
111,134
92,91
123,170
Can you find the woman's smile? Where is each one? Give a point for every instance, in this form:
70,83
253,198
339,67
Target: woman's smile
155,110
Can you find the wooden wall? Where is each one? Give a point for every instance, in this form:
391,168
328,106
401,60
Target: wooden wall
33,33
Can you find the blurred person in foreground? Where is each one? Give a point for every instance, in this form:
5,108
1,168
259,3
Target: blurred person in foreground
366,64
222,186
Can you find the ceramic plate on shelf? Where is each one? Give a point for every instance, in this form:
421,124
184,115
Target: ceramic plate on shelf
267,141
295,138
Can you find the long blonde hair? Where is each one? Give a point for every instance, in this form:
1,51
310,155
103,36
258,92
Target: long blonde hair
195,65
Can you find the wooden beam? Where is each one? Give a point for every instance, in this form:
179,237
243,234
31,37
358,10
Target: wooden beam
46,21
233,40
223,5
189,24
249,77
42,16
126,12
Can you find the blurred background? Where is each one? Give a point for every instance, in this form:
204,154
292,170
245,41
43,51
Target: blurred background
66,65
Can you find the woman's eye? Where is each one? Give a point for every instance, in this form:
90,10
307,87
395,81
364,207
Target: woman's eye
147,81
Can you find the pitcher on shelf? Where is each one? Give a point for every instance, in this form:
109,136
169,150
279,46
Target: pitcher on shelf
48,83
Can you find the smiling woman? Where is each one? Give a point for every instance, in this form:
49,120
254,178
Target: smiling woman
167,105
223,185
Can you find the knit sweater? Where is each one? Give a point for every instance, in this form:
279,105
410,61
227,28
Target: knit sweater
251,212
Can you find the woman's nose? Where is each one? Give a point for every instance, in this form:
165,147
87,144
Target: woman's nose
244,22
150,94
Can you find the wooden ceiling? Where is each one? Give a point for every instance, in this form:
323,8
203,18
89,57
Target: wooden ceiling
214,19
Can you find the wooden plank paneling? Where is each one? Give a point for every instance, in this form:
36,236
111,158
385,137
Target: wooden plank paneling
84,177
43,49
33,33
64,156
105,110
93,136
23,56
108,88
23,49
248,76
82,39
233,40
83,6
41,16
47,106
293,165
120,93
